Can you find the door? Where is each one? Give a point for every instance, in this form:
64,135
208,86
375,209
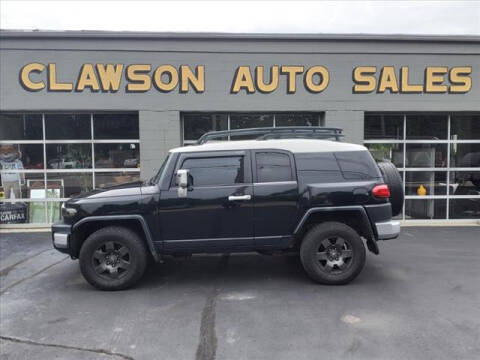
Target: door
217,212
275,197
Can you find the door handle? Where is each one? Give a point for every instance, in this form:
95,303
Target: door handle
239,197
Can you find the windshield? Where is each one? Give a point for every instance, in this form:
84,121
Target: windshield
156,177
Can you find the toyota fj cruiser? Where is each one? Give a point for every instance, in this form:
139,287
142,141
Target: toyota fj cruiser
288,189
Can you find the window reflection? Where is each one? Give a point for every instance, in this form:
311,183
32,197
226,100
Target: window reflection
383,126
195,125
297,119
104,179
115,126
465,155
21,126
245,121
117,155
69,156
64,185
387,152
465,127
426,155
425,209
422,183
430,126
67,126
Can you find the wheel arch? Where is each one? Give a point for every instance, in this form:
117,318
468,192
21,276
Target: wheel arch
87,226
354,216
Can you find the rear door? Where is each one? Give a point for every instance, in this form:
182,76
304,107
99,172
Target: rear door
275,197
218,210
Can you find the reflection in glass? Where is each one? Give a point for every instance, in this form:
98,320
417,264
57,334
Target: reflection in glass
388,152
245,121
196,125
426,155
67,126
465,155
21,156
20,126
425,209
464,182
465,127
115,178
69,156
64,185
115,126
297,119
383,126
54,211
117,155
432,126
464,208
426,183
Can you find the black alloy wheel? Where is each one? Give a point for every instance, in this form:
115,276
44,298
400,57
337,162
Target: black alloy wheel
332,253
113,258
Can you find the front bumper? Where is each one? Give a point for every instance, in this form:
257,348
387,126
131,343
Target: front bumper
388,229
61,234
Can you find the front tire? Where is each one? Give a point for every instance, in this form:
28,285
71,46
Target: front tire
113,258
332,253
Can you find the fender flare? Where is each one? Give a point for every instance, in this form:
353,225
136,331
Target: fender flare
139,218
367,225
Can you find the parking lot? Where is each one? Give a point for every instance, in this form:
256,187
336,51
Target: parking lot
420,299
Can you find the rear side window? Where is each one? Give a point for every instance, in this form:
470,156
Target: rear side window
357,165
273,167
318,168
215,170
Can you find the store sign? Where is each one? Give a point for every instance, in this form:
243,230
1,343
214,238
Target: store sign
184,79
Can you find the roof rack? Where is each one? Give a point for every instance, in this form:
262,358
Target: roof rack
281,132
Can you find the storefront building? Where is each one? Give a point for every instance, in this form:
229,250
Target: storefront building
81,110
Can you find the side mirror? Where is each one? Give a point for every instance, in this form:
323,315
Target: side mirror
182,181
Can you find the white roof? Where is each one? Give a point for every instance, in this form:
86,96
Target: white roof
292,145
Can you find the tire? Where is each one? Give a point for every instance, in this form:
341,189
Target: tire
328,260
392,178
113,258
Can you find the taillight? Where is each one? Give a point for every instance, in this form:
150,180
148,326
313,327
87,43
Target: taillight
381,191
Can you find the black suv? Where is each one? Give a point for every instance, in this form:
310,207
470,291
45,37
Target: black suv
279,192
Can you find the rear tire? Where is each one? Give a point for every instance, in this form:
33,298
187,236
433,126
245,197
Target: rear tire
113,258
332,253
392,178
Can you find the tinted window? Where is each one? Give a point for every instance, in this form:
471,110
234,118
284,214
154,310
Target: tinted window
383,126
273,167
432,126
21,127
215,171
115,126
357,165
318,168
67,126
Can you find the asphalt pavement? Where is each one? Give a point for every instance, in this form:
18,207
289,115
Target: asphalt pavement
419,299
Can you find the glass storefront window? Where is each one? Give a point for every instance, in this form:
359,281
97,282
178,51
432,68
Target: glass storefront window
31,194
296,119
21,156
464,208
464,182
21,126
117,155
382,126
195,125
429,126
246,121
69,156
465,127
426,155
104,179
67,126
387,152
422,183
465,155
116,126
425,209
64,185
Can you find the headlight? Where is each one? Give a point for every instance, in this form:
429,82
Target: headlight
68,212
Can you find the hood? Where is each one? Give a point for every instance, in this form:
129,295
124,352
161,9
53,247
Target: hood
127,189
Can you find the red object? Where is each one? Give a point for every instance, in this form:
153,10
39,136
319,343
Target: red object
381,191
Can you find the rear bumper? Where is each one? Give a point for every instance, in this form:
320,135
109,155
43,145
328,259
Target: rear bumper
388,229
61,234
